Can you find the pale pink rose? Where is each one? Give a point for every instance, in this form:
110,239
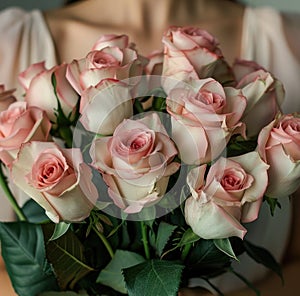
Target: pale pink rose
108,62
32,71
204,116
155,63
193,53
136,162
279,146
6,97
57,179
105,106
231,194
40,91
19,124
264,94
111,40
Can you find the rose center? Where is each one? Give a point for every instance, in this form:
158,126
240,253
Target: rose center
139,142
233,180
292,124
102,59
210,99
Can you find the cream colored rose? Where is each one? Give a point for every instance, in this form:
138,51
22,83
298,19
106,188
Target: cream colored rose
57,179
106,62
19,124
231,193
204,116
193,53
279,146
264,94
38,84
136,162
105,106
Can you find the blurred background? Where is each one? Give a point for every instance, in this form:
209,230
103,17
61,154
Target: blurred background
284,5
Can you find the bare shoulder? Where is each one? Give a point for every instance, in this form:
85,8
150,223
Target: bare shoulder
72,34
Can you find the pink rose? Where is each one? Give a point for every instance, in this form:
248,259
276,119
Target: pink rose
136,162
279,146
33,70
108,62
6,97
155,63
104,106
40,91
204,116
20,124
111,40
193,53
231,193
57,179
264,94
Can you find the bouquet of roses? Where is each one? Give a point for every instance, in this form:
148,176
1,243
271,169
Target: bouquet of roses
137,167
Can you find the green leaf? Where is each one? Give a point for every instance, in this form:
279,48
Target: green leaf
34,212
23,251
59,230
159,103
188,237
205,259
164,233
238,145
157,277
112,275
66,254
273,203
224,245
263,256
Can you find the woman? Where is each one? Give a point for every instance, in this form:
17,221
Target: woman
262,35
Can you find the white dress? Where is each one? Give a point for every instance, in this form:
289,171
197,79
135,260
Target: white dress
25,39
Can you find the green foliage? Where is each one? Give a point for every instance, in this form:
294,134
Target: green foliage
224,245
238,145
112,275
34,212
23,250
59,230
159,104
164,233
188,237
66,254
206,260
273,204
155,277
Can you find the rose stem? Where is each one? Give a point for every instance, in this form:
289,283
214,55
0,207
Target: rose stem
185,251
11,197
145,239
138,106
104,241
